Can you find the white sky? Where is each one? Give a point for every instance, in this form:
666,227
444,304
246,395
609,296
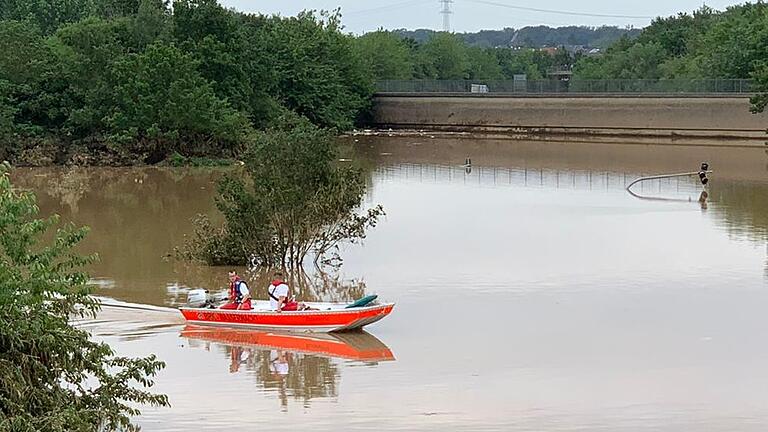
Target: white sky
471,15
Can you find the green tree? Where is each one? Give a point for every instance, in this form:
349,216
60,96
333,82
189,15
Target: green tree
117,8
295,200
562,59
759,101
678,35
320,74
483,64
517,62
232,53
625,60
47,15
705,44
53,377
8,113
162,105
736,43
87,52
386,54
32,87
443,56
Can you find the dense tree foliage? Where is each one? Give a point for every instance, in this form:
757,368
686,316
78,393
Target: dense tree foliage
294,199
135,80
126,81
533,37
320,74
445,56
625,60
387,55
705,44
53,377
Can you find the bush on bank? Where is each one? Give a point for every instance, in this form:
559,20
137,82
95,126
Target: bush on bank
53,377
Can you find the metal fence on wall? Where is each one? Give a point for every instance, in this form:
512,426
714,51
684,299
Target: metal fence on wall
640,86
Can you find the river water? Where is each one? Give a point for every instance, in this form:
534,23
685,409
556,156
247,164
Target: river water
533,293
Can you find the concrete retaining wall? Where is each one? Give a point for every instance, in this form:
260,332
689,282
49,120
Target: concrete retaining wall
712,116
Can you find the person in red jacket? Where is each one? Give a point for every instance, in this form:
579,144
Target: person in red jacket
239,295
279,299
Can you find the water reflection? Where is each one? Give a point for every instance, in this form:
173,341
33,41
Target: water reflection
136,216
616,313
736,199
703,200
301,366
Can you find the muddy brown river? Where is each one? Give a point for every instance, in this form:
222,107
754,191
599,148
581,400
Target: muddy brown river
533,293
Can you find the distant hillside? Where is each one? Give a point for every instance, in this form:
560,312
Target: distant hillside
535,37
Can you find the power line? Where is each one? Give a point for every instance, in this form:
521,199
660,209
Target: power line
559,12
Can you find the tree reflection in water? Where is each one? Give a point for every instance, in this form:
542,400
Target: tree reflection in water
742,209
301,376
322,285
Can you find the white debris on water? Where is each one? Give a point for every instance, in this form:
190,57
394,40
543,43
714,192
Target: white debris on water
102,283
389,132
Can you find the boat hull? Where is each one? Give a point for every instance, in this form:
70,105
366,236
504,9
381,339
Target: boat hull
321,321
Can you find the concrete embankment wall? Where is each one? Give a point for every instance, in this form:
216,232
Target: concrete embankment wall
700,116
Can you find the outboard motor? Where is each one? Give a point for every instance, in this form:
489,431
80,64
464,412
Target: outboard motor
197,297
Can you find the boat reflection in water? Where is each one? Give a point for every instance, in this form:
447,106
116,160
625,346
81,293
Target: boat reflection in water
299,365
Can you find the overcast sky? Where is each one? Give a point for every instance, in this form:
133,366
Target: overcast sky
471,15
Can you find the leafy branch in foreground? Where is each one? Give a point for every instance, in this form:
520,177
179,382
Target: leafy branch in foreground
294,200
53,377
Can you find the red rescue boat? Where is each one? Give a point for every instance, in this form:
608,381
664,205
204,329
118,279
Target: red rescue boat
326,317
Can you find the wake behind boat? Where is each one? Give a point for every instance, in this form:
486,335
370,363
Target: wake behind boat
325,317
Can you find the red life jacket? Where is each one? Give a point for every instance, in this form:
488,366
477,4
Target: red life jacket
234,290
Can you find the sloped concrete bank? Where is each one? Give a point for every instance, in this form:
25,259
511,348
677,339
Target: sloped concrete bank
675,119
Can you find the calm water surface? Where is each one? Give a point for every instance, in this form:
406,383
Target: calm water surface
533,293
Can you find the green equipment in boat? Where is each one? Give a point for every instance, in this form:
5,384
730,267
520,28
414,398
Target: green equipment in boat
362,301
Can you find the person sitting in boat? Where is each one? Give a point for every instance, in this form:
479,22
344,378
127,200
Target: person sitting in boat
239,295
279,300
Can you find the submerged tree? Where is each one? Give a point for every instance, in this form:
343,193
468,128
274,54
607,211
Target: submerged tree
53,377
294,200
